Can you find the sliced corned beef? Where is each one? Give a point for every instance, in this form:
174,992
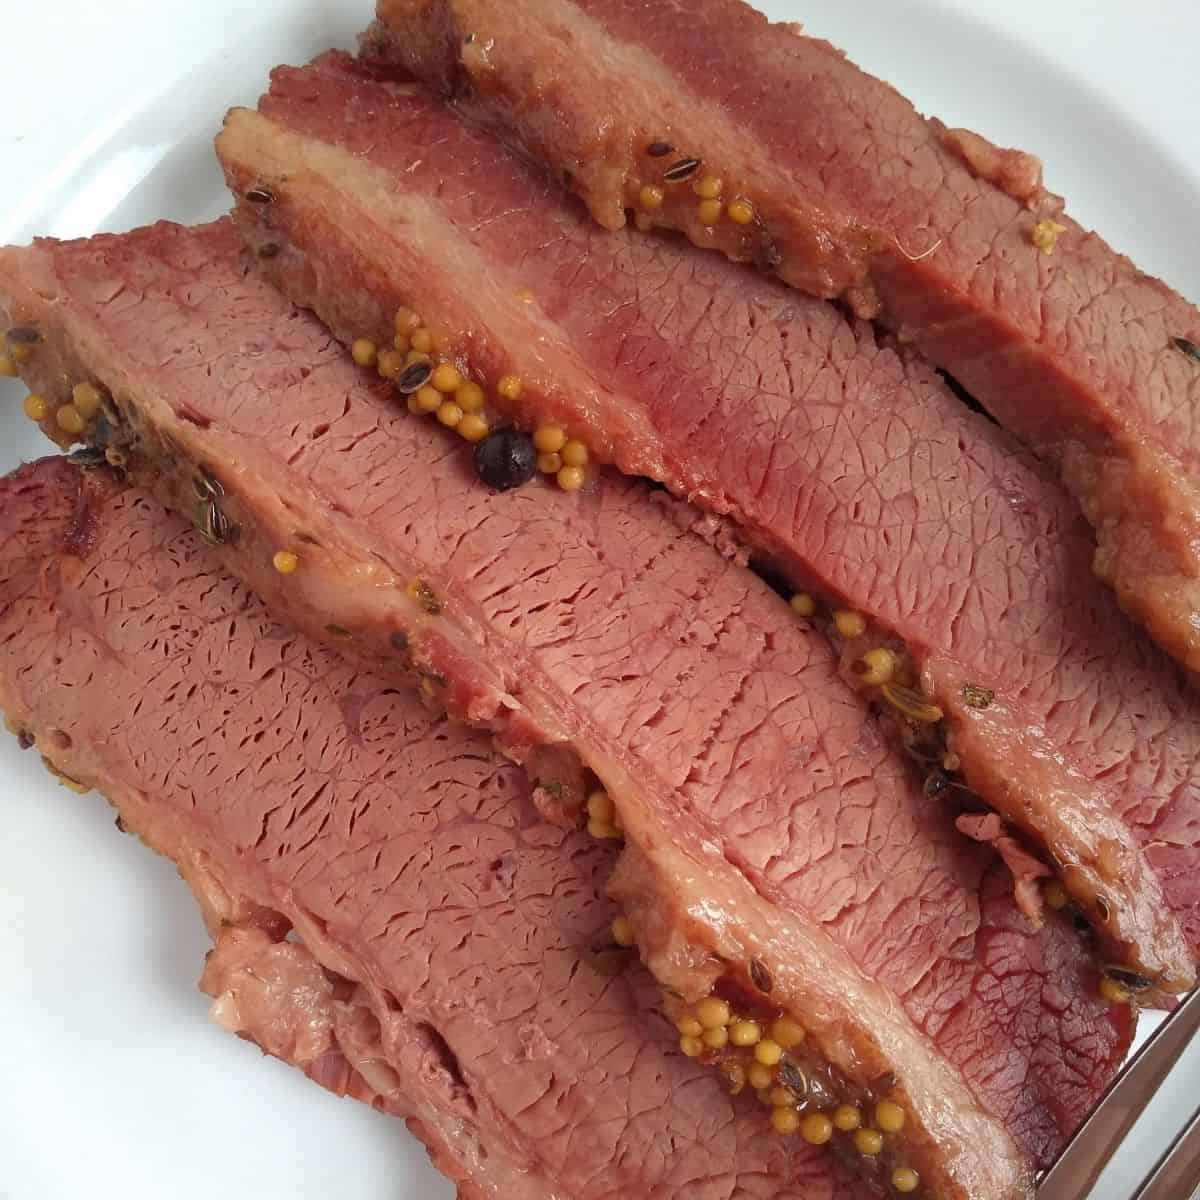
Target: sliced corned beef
845,463
454,964
776,851
845,190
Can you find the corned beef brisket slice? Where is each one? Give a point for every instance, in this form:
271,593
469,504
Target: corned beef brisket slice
947,239
849,466
775,849
454,965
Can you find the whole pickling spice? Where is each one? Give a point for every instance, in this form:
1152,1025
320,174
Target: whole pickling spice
506,459
685,168
975,696
659,149
414,377
1189,348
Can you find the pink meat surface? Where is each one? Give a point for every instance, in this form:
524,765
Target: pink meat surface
848,465
767,821
858,196
446,969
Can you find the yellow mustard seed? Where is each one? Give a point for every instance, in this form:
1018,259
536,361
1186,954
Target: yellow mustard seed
785,1120
600,805
1045,235
622,932
1055,894
473,427
758,1075
389,363
1114,992
36,407
746,1033
816,1129
549,464
401,343
21,353
8,368
788,1033
741,212
510,386
422,340
709,212
364,352
86,397
713,1013
602,830
783,1097
549,439
847,1118
285,562
849,624
764,1098
428,399
69,420
571,479
651,197
407,321
869,1141
889,1116
469,397
692,1047
708,188
575,454
716,1039
449,414
803,605
905,1179
414,356
876,666
768,1052
689,1027
414,406
446,378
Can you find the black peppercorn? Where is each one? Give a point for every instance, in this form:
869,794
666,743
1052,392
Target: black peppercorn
506,459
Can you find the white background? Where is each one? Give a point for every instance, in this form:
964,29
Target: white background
112,1083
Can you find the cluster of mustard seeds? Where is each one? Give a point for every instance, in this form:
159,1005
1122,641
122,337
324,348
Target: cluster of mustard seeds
712,206
434,386
755,1053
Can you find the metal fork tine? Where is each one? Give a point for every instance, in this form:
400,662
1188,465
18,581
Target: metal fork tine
1177,1175
1087,1154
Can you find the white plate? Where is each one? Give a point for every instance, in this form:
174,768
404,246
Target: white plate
112,1082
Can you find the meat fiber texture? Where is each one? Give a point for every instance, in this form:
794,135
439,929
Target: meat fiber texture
848,465
453,962
950,241
766,819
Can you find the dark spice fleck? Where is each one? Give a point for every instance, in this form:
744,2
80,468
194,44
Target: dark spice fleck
553,788
760,976
414,377
506,459
769,256
259,195
791,1076
975,696
268,250
25,739
206,486
426,597
399,641
1131,979
24,334
87,457
1188,348
212,524
936,782
337,631
120,824
685,168
659,149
